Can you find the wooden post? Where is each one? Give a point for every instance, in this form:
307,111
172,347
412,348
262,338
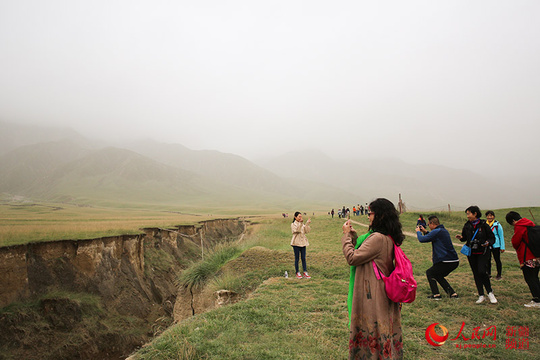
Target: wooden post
202,244
449,208
532,217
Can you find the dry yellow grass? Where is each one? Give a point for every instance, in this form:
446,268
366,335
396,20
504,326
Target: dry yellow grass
37,222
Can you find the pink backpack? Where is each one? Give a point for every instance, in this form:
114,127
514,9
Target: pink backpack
400,286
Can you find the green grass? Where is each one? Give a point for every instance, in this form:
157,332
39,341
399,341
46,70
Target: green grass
200,272
307,319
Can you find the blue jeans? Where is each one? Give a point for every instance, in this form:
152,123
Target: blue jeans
299,250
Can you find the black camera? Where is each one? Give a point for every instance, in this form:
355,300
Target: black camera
475,244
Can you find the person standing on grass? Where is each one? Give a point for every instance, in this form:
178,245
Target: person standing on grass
299,242
479,237
445,258
421,222
498,247
530,264
375,320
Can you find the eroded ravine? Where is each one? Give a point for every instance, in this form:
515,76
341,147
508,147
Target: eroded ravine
134,278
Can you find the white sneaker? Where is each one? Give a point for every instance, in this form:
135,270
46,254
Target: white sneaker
492,298
532,304
481,299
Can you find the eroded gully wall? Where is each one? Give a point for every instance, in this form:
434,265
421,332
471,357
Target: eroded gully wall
109,266
133,275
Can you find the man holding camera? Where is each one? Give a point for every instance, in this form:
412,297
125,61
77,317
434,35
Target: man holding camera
445,259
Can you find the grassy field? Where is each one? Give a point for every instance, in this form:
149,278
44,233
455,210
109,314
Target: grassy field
282,318
23,223
307,319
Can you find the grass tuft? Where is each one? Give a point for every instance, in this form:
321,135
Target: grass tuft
200,272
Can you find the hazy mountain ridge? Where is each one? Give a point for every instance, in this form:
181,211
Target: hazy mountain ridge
228,168
28,164
173,174
103,173
14,136
153,172
421,186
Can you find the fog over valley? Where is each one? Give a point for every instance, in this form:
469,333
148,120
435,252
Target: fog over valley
62,165
277,104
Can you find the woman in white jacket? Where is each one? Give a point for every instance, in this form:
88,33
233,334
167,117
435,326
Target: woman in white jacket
299,242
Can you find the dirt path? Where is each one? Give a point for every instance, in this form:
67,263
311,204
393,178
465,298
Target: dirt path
408,233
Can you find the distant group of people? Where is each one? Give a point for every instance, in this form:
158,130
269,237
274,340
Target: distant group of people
375,320
346,212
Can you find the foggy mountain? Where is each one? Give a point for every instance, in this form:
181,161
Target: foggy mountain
421,186
228,168
66,171
13,136
73,168
26,166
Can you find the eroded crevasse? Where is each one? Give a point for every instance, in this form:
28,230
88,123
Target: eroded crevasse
131,281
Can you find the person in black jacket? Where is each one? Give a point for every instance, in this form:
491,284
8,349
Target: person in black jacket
479,237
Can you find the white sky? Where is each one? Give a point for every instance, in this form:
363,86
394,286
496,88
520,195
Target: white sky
424,81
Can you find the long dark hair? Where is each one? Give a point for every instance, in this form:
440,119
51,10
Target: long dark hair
386,220
295,215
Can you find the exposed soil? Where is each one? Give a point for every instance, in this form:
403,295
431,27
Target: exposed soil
99,298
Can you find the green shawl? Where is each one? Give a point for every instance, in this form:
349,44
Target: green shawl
359,242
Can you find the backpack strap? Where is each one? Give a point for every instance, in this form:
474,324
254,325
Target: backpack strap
378,273
376,269
474,235
526,245
496,225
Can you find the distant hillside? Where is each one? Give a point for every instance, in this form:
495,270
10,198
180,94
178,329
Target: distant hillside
28,166
236,171
61,164
421,187
65,171
13,136
228,168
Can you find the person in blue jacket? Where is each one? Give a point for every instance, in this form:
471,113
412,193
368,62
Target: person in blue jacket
498,247
445,258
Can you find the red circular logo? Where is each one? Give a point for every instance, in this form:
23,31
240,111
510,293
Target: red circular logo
433,338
